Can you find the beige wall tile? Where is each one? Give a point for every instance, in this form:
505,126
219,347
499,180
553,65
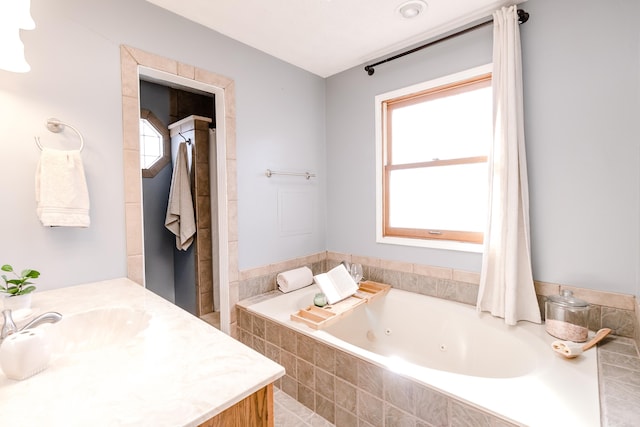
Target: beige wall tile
185,70
438,272
233,330
337,256
546,289
365,260
370,409
206,303
211,78
466,276
203,210
205,277
289,264
607,299
232,180
255,272
134,228
128,73
405,267
621,321
130,123
234,295
637,310
153,61
203,187
230,130
230,100
310,259
135,268
233,261
132,177
232,218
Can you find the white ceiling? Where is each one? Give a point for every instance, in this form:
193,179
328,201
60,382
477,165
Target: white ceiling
329,36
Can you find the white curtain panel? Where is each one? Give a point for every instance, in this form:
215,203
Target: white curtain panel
506,281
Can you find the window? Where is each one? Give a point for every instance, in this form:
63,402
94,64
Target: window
154,144
433,145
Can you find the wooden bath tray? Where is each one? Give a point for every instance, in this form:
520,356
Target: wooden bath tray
320,317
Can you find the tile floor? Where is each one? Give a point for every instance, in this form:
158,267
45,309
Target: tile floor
291,413
212,318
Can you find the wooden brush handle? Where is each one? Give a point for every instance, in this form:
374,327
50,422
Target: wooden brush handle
596,338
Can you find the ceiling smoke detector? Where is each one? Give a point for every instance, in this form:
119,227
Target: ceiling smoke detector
411,9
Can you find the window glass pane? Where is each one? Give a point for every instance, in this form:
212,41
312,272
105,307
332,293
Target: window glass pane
450,127
439,198
151,144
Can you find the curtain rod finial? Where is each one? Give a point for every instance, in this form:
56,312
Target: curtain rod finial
369,69
523,16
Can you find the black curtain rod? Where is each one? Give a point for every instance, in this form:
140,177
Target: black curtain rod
522,18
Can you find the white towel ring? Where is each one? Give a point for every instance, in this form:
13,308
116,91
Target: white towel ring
57,126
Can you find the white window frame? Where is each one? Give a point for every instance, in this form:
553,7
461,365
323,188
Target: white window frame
380,161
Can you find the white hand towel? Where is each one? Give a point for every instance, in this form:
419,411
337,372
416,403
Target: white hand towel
62,198
294,279
180,219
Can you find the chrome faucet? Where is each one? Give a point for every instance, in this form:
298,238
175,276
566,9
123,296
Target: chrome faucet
10,327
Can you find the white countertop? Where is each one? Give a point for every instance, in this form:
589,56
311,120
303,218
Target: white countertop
179,371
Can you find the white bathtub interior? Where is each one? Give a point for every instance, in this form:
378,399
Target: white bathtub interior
511,371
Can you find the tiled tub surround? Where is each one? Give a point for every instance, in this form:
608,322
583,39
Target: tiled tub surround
619,372
616,311
608,309
507,371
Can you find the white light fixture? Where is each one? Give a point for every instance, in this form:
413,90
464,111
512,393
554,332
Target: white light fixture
12,51
23,14
15,16
411,9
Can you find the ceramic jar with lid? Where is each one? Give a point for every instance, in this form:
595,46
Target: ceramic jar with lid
567,317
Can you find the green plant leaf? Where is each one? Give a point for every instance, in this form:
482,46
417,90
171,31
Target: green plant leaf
32,274
18,286
26,290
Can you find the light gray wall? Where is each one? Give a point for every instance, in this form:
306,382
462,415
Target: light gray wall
75,57
581,74
582,107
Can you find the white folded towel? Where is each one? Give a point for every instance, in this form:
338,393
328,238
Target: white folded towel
180,219
62,198
294,279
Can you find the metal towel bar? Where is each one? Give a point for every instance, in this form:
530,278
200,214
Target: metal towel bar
307,175
57,126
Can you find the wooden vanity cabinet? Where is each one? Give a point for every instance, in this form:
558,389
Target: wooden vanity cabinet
255,410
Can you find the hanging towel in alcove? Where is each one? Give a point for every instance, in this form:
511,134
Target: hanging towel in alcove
180,219
62,198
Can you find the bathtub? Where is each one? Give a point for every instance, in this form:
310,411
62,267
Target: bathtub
508,371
